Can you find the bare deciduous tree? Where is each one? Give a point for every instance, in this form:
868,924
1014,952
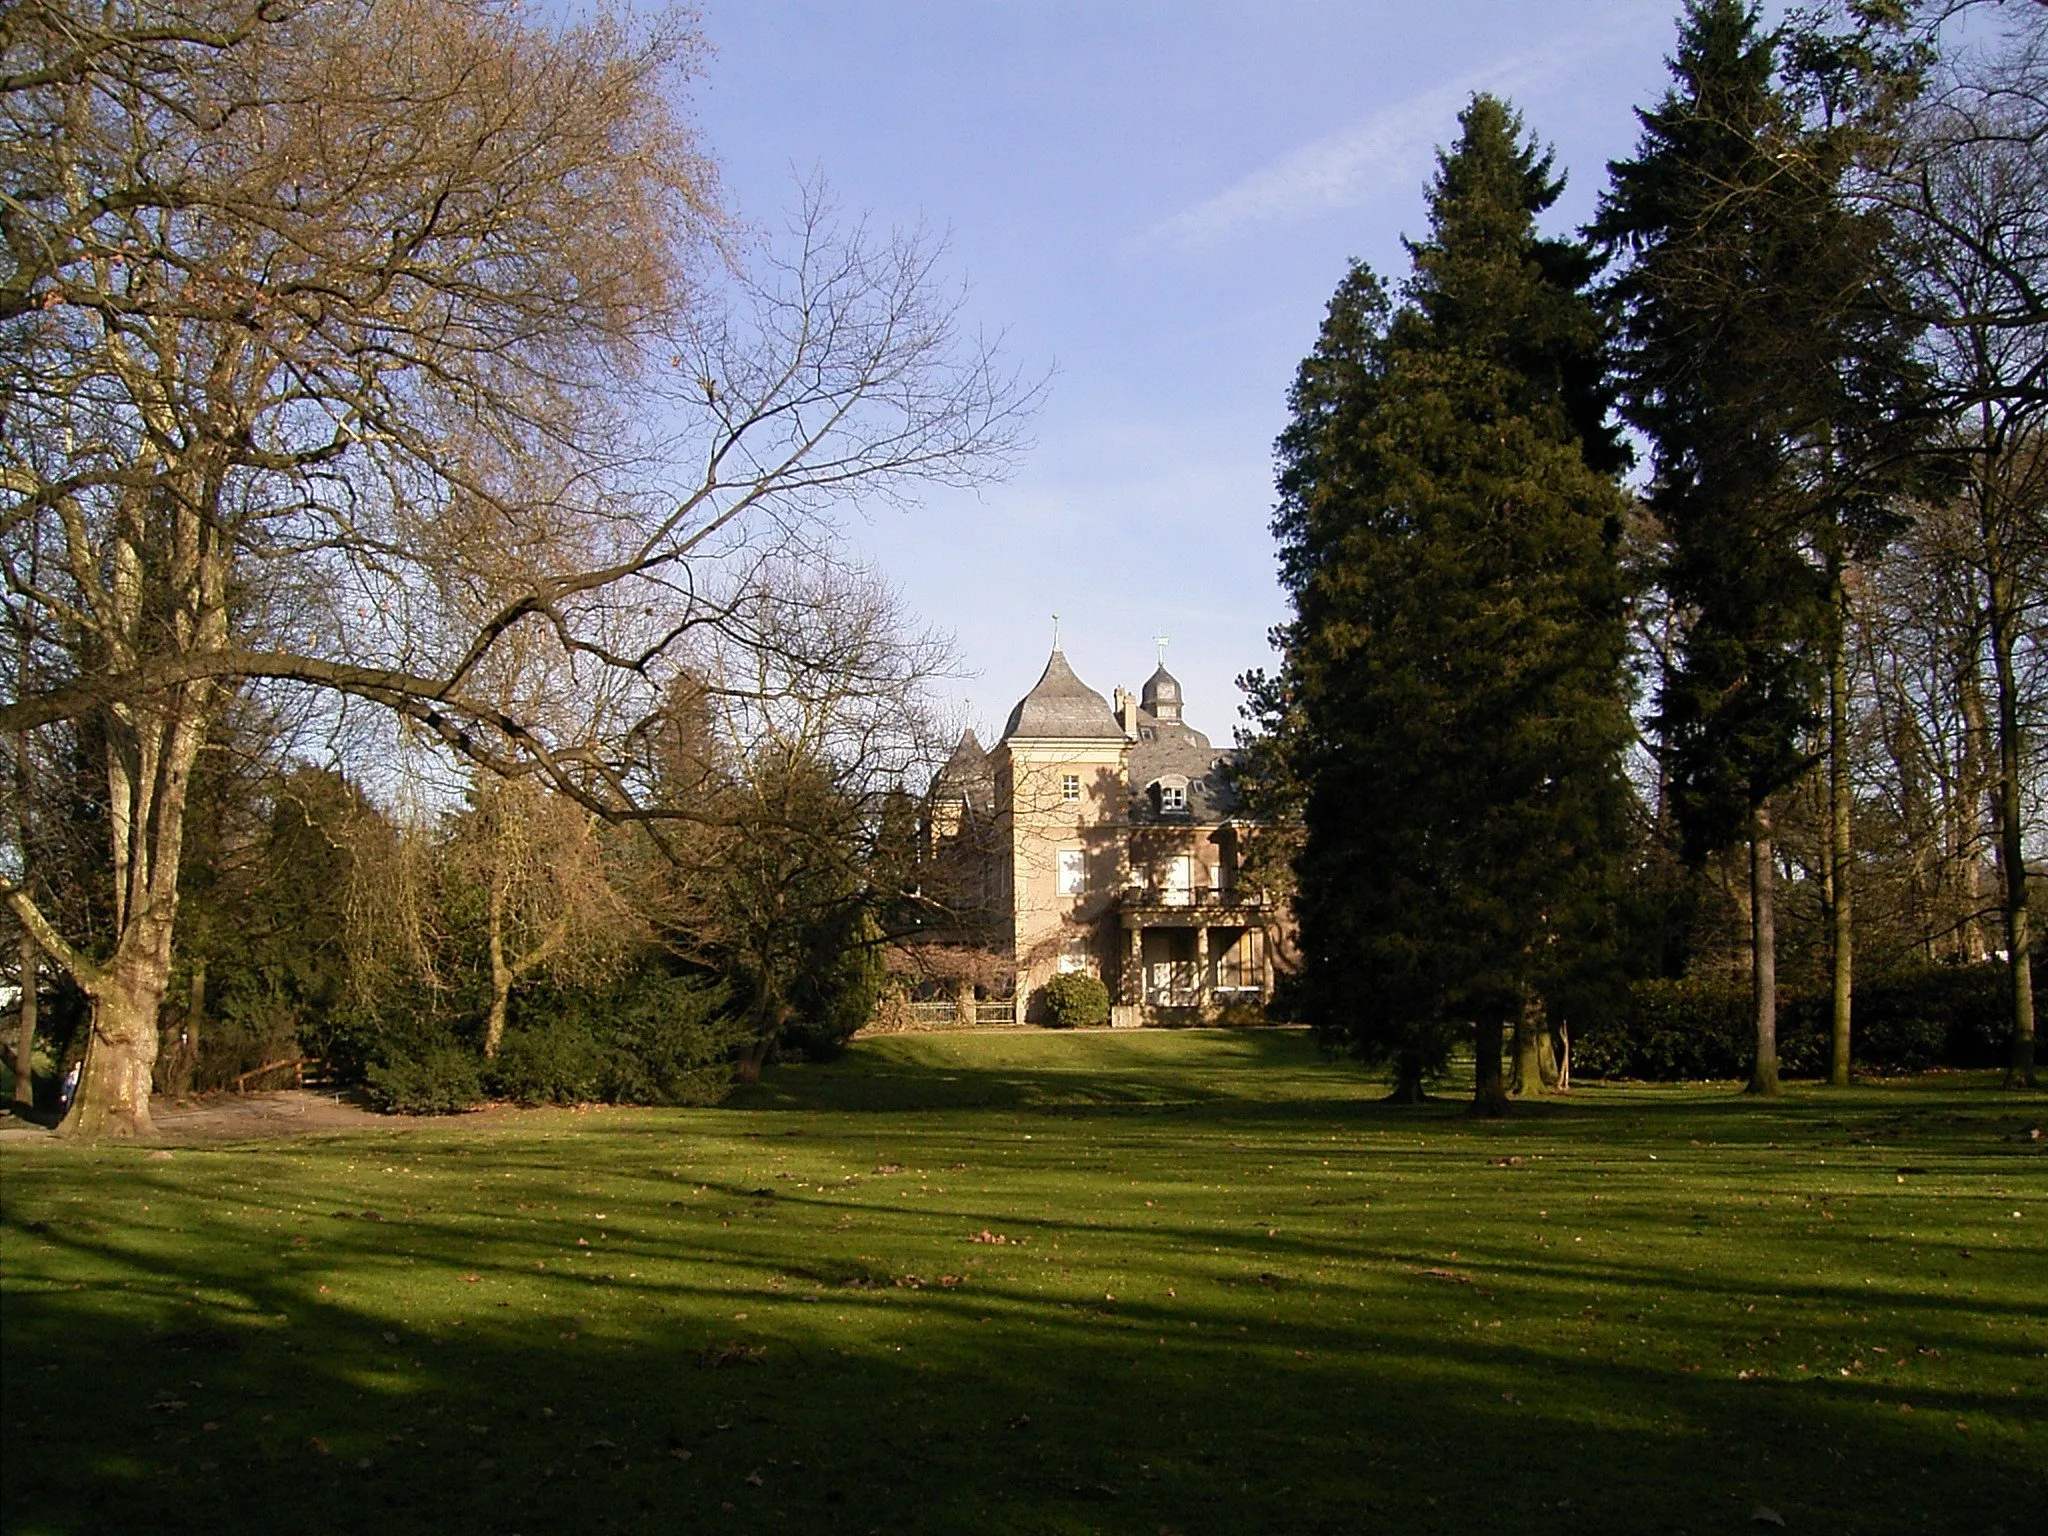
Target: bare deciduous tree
345,339
1971,188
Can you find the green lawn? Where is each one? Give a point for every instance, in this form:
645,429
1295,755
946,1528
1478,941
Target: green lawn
1227,1292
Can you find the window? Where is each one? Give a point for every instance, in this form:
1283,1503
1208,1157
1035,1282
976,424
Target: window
1073,872
1172,797
1070,787
1075,960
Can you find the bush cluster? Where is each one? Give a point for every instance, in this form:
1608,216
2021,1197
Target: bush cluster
648,1036
1075,1001
1905,1021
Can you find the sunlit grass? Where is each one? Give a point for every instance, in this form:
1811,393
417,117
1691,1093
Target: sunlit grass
1192,1282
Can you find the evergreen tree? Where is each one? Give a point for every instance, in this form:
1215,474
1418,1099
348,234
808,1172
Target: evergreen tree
1765,357
1452,704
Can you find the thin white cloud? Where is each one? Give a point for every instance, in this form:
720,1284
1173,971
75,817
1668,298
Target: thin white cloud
1392,145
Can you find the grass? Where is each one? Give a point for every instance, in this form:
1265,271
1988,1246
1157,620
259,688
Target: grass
1233,1293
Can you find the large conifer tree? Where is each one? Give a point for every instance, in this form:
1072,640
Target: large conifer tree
1453,696
1767,360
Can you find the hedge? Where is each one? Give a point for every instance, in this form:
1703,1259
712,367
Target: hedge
1907,1020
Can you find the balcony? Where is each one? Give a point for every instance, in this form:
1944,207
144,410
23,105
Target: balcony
1187,905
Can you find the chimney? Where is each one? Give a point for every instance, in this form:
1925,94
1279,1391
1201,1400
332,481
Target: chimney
1126,712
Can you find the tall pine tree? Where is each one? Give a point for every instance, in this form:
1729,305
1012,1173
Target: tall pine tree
1453,699
1765,355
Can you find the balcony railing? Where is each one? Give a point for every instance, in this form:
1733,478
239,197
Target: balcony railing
1178,898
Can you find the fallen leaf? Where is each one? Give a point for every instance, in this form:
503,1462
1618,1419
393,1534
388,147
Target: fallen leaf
316,1445
1763,1514
471,1279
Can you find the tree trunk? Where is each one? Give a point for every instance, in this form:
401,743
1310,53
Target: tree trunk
25,1041
120,1054
1841,928
1489,1089
764,1041
963,1003
1532,1034
1763,948
501,973
1553,1053
2012,861
1407,1079
181,1071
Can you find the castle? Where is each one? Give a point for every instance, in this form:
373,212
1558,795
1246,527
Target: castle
1105,838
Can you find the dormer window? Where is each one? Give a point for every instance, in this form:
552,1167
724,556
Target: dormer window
1170,794
1070,787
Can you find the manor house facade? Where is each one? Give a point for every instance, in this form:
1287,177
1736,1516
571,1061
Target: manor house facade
1105,837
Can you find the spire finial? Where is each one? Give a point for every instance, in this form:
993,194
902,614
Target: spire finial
1160,641
1055,631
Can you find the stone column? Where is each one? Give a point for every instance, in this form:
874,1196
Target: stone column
1133,988
1203,995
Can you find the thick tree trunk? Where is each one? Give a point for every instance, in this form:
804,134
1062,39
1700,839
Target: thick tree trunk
1489,1088
1407,1079
2012,859
1532,1038
120,1054
1763,947
1841,927
150,755
25,1039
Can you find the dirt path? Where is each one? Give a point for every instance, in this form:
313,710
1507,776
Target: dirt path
246,1117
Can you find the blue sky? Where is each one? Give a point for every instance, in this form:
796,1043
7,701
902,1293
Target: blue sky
1154,201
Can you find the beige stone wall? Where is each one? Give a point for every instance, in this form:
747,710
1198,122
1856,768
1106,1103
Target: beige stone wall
1037,822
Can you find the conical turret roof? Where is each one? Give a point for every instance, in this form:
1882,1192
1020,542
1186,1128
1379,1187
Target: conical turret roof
1063,708
1162,687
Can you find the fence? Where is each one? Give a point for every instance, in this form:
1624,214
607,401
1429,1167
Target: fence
945,1014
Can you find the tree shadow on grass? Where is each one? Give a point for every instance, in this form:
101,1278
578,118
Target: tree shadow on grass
977,1411
424,1372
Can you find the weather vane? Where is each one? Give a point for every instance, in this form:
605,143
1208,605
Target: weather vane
1160,640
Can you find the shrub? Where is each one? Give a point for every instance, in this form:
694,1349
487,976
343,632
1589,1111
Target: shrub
553,1063
1075,1000
1666,1030
646,1036
445,1076
842,981
672,1041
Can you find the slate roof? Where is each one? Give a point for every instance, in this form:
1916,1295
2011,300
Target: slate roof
1172,749
968,775
1063,708
1161,687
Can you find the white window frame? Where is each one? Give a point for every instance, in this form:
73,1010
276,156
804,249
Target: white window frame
1172,797
1075,960
1073,872
1070,788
